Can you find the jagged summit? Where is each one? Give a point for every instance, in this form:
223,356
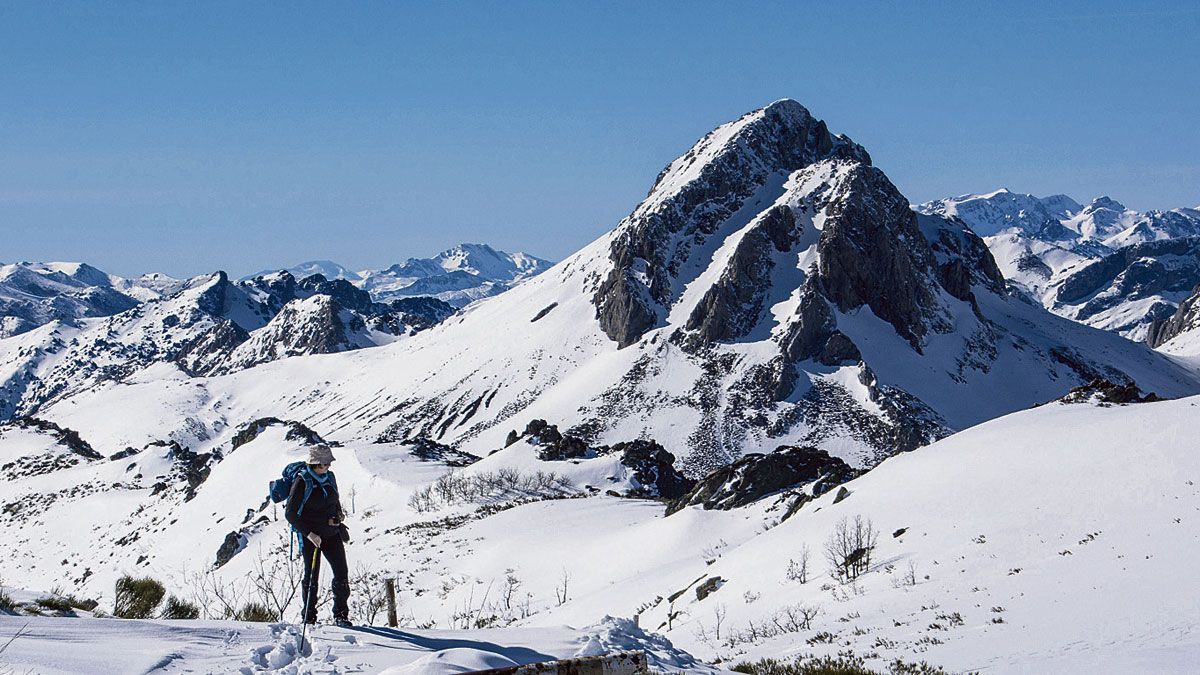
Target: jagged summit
744,163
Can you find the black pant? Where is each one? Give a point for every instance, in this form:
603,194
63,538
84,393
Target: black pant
335,552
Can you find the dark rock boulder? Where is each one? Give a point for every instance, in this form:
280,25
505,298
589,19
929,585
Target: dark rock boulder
552,445
756,475
1104,391
653,468
708,587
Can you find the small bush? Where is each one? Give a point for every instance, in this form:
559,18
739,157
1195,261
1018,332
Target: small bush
137,598
843,664
63,602
54,604
256,612
6,602
180,609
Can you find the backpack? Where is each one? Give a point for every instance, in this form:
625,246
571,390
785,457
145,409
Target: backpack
282,487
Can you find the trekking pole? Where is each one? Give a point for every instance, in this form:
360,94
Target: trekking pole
304,619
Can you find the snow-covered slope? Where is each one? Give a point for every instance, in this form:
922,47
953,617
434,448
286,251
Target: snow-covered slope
1134,276
1004,548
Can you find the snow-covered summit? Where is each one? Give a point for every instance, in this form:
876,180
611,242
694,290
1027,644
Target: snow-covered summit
458,275
326,268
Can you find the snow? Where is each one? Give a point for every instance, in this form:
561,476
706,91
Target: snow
1070,519
62,646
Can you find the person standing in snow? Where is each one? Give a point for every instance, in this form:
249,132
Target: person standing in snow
319,521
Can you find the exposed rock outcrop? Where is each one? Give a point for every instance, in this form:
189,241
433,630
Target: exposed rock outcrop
653,467
755,476
1104,391
734,304
1186,318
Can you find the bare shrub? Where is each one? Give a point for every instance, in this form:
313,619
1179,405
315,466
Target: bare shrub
798,567
849,547
787,619
370,594
505,483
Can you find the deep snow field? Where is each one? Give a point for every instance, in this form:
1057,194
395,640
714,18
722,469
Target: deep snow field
1057,539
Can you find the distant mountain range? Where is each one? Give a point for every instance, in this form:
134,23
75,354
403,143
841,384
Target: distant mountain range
457,276
1101,264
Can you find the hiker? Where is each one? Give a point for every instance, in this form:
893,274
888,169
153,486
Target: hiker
318,519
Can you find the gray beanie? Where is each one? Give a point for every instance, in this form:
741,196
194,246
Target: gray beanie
320,454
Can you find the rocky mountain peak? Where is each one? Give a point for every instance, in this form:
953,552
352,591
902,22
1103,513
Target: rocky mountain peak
1106,202
734,172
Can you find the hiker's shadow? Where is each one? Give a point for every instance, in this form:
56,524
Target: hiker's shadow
518,654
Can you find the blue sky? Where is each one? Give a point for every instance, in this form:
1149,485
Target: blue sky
188,137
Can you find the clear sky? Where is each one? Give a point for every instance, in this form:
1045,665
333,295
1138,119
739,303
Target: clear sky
187,137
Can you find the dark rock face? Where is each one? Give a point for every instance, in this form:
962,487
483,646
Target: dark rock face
872,253
1104,391
755,476
345,293
190,467
654,469
733,305
422,313
235,542
205,353
1184,319
807,336
658,237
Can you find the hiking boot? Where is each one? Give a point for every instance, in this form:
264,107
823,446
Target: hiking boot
342,622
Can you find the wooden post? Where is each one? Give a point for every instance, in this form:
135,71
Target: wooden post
391,602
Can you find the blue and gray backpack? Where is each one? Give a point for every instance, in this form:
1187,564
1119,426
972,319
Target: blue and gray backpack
281,487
